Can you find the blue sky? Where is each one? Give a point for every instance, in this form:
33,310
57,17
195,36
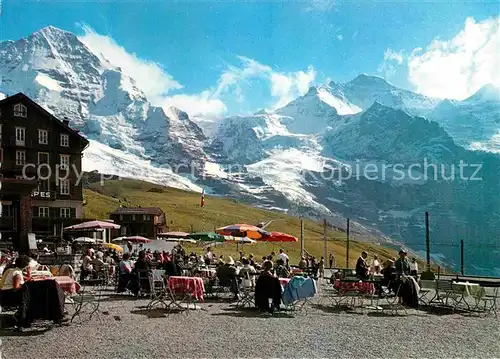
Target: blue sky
196,42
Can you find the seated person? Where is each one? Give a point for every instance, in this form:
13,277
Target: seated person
402,264
125,275
302,263
281,271
86,268
142,268
12,281
247,273
226,273
98,263
390,277
67,270
267,287
362,268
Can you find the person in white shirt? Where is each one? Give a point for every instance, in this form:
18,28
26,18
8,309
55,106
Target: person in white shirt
12,281
413,267
209,256
375,267
283,256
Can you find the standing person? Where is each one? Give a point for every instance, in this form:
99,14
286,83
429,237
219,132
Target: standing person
283,256
331,259
209,257
362,268
375,267
414,267
321,267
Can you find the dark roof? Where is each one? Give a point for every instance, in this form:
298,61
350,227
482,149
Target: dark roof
22,97
138,210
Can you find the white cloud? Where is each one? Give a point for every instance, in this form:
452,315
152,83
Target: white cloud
284,86
457,68
340,37
204,104
392,59
394,56
149,76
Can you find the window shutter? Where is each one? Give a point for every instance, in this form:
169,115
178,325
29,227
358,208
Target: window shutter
72,212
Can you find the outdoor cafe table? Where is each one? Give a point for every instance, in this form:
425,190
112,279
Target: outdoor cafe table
192,286
67,284
345,285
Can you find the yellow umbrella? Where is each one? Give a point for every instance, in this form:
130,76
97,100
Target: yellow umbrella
116,247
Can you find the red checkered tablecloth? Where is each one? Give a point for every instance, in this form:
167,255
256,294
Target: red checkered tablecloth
362,287
284,281
67,284
190,285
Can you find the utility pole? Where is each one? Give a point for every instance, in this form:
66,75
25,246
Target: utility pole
347,245
427,242
324,240
462,257
301,237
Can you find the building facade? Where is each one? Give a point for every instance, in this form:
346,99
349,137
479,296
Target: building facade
38,149
139,221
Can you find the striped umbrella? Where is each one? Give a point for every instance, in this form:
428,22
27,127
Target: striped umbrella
243,230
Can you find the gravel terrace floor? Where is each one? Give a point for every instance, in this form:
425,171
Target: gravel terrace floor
218,330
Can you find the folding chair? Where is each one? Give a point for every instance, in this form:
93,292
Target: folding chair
393,304
489,299
426,287
247,291
445,292
89,296
158,289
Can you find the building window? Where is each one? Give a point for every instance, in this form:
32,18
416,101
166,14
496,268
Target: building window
146,217
133,217
20,136
43,137
20,110
43,185
64,186
43,211
20,158
65,212
64,161
121,217
64,140
43,157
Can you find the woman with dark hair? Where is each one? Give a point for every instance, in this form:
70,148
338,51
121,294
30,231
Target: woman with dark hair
267,287
12,281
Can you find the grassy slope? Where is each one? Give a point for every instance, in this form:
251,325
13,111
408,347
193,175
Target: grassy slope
184,213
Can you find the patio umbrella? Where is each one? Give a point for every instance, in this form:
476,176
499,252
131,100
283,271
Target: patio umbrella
279,237
113,246
119,239
242,230
207,237
174,234
92,225
137,239
84,240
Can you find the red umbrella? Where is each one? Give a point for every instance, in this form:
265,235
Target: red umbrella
137,239
279,237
